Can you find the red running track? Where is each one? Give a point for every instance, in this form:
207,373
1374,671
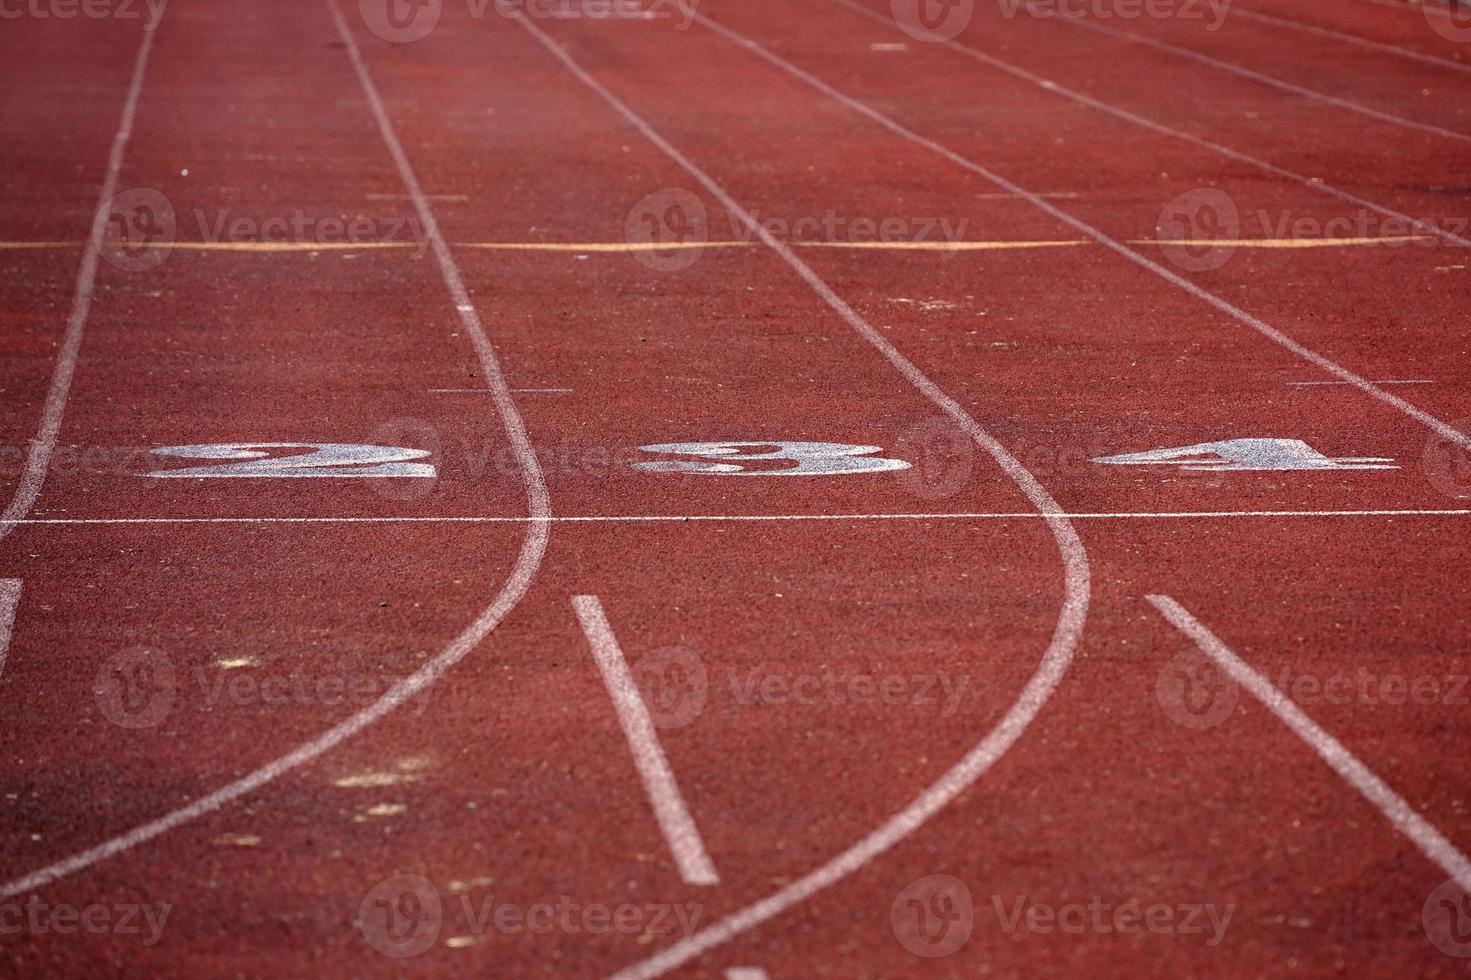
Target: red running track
358,727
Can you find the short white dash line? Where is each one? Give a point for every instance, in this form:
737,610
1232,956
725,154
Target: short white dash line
486,391
1407,381
1399,813
9,600
745,973
695,866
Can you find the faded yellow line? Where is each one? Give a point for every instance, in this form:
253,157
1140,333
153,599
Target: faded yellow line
1281,242
599,246
940,246
587,247
280,246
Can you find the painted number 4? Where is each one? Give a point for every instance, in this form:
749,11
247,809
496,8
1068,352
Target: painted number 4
1249,454
728,458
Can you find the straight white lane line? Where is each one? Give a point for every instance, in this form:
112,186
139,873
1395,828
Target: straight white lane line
9,600
1446,431
745,973
1076,587
694,864
1431,841
528,561
1354,39
38,460
1404,381
689,518
1264,79
1048,85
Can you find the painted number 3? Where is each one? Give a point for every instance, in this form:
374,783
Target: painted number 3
728,458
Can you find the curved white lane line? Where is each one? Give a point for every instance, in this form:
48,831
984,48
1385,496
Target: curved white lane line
1038,688
1443,429
533,546
38,460
1354,39
1047,85
1256,76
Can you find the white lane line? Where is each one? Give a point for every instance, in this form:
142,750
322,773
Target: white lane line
1329,749
745,973
1362,42
1039,687
486,391
1408,381
691,518
694,863
528,561
9,601
38,460
1256,76
1445,430
1313,183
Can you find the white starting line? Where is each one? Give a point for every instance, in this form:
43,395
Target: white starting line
757,518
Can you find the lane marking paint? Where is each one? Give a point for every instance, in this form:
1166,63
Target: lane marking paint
1256,76
896,246
486,391
670,810
528,561
1117,112
1406,381
1362,42
686,518
1283,242
1445,430
1394,807
38,460
745,973
427,197
1038,688
9,602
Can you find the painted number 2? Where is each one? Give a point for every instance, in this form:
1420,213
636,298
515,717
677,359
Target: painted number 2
727,458
322,459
